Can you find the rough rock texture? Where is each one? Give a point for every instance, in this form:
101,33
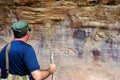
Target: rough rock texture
83,35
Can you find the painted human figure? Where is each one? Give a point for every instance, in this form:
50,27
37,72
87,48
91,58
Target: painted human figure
79,38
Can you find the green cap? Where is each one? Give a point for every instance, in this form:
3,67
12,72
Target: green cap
21,27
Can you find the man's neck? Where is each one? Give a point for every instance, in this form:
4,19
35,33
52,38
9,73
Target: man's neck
21,39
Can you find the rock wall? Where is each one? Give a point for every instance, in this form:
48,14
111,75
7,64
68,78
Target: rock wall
83,35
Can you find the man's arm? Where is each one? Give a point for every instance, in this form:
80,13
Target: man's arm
0,72
42,74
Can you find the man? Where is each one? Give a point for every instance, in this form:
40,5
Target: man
22,58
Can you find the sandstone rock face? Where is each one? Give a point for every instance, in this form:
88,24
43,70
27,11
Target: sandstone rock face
83,35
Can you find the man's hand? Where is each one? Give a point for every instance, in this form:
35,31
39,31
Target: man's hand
52,68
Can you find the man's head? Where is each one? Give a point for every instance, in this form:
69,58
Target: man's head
20,28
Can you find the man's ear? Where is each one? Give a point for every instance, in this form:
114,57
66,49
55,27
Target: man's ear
27,33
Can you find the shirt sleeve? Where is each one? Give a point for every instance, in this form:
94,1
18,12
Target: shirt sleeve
3,63
31,60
